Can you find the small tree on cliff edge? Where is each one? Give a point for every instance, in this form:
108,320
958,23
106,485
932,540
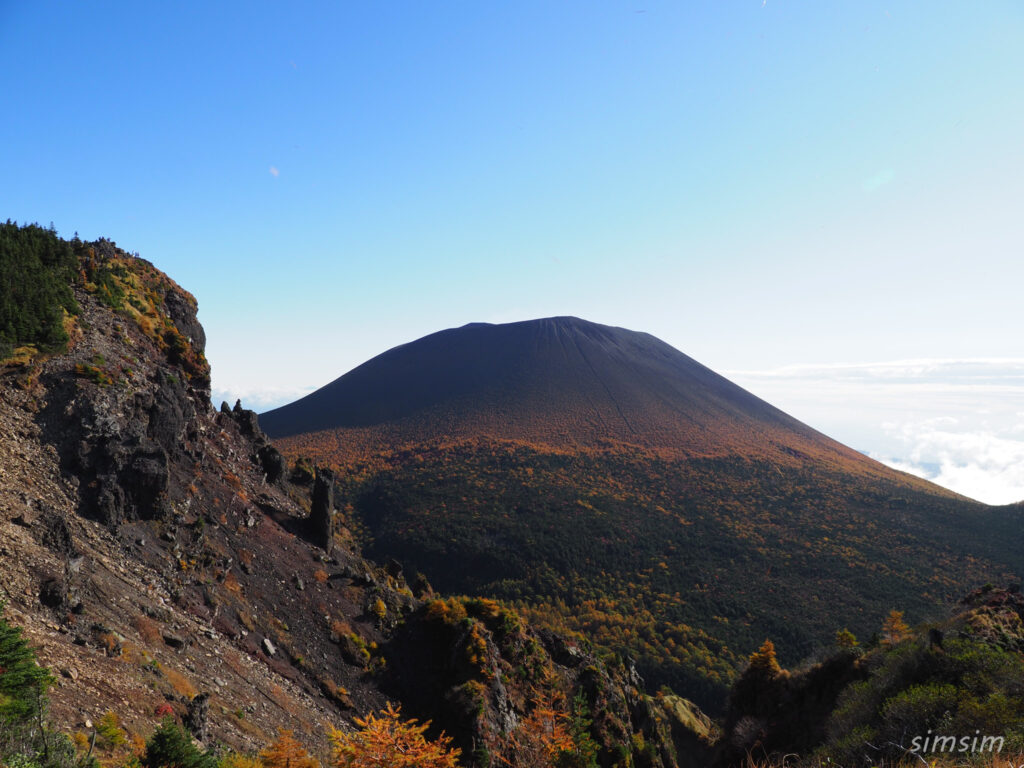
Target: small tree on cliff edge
23,685
387,741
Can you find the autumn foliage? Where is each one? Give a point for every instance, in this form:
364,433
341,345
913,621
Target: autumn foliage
686,564
287,752
388,741
894,629
764,659
540,738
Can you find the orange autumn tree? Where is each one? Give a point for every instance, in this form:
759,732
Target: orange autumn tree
541,737
387,741
287,752
894,629
764,659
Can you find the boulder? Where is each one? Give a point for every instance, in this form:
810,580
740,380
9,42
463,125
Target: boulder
272,462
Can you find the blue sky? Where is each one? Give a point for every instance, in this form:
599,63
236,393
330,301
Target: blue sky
762,184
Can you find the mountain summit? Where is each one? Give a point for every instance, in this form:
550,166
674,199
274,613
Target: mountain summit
558,381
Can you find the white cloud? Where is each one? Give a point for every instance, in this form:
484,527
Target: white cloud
931,370
956,422
983,465
274,172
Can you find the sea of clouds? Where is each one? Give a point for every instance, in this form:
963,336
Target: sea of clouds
958,423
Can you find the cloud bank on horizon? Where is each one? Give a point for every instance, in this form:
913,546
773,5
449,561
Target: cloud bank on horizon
957,423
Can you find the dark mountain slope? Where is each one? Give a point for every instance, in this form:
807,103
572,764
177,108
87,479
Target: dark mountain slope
613,486
559,381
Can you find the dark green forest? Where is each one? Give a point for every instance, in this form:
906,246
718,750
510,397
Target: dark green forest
37,270
685,566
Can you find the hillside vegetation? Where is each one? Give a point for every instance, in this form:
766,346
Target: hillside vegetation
37,270
943,694
949,692
607,484
685,565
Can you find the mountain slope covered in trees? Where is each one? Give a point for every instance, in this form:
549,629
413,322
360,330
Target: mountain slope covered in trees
609,485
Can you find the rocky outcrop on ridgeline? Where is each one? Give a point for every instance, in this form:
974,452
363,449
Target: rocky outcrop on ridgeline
963,675
266,455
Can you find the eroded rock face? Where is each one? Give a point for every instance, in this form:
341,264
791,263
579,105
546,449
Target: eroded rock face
263,454
477,670
136,520
273,463
183,314
130,400
124,456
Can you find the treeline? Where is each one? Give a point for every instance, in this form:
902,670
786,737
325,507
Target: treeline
37,270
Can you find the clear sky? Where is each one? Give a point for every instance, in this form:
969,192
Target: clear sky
787,191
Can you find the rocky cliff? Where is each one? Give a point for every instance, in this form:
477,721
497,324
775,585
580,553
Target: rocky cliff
164,558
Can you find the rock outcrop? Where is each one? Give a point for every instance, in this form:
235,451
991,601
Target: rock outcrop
321,515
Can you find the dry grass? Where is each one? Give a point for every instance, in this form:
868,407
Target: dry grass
148,629
110,643
340,629
284,701
134,655
245,557
231,583
181,684
233,660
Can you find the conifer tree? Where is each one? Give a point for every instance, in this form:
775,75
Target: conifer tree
23,682
764,659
